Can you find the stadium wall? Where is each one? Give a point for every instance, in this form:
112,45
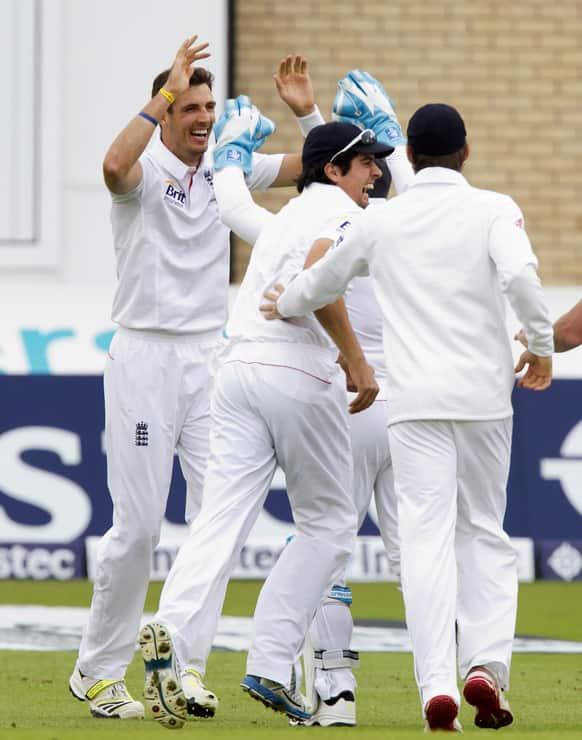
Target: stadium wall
512,69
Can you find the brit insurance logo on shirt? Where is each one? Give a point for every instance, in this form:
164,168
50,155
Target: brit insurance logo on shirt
174,194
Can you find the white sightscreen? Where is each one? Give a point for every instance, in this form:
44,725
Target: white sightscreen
19,58
74,72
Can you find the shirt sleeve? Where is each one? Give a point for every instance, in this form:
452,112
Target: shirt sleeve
339,227
516,263
327,279
265,170
138,191
509,245
310,121
527,300
236,207
400,169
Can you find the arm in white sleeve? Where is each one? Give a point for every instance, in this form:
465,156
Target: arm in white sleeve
236,207
311,120
400,169
327,279
266,168
510,249
527,299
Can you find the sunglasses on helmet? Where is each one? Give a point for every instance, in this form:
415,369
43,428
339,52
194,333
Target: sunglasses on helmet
367,136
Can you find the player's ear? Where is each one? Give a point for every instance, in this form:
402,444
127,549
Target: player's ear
466,152
332,172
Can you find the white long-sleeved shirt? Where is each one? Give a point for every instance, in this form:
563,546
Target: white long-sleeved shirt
280,251
441,255
247,219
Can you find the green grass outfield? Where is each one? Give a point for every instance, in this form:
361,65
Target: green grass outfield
546,692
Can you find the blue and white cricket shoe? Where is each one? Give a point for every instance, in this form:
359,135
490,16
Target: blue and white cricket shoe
276,696
173,697
162,689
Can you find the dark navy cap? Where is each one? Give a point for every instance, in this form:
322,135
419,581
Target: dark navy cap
329,140
436,128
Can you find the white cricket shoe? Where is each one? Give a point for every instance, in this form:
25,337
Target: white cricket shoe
162,689
482,691
106,699
201,701
339,711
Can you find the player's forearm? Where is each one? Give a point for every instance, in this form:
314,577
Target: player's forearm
309,291
131,142
236,207
568,329
325,281
400,169
289,171
334,319
525,294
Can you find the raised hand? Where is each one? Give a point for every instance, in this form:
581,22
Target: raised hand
362,100
294,85
240,131
182,67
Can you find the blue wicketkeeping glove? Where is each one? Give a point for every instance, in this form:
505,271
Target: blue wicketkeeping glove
240,131
362,100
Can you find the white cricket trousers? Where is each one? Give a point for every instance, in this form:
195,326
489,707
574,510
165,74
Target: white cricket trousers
332,626
458,565
264,414
373,474
160,381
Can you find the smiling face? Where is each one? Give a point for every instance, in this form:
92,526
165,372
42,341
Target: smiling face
186,127
358,180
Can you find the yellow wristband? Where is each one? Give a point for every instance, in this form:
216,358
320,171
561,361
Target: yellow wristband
167,94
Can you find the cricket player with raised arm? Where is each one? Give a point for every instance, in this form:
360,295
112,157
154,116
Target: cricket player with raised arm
442,255
328,658
279,398
172,256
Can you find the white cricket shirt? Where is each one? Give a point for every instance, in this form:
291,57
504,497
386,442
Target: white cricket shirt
440,256
278,255
172,250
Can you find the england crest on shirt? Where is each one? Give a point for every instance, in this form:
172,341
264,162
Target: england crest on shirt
341,229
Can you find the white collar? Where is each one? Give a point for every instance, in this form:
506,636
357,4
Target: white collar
331,193
439,175
170,161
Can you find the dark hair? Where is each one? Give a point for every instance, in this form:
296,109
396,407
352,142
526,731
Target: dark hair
452,161
315,173
200,76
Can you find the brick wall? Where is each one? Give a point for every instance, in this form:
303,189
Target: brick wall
514,69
